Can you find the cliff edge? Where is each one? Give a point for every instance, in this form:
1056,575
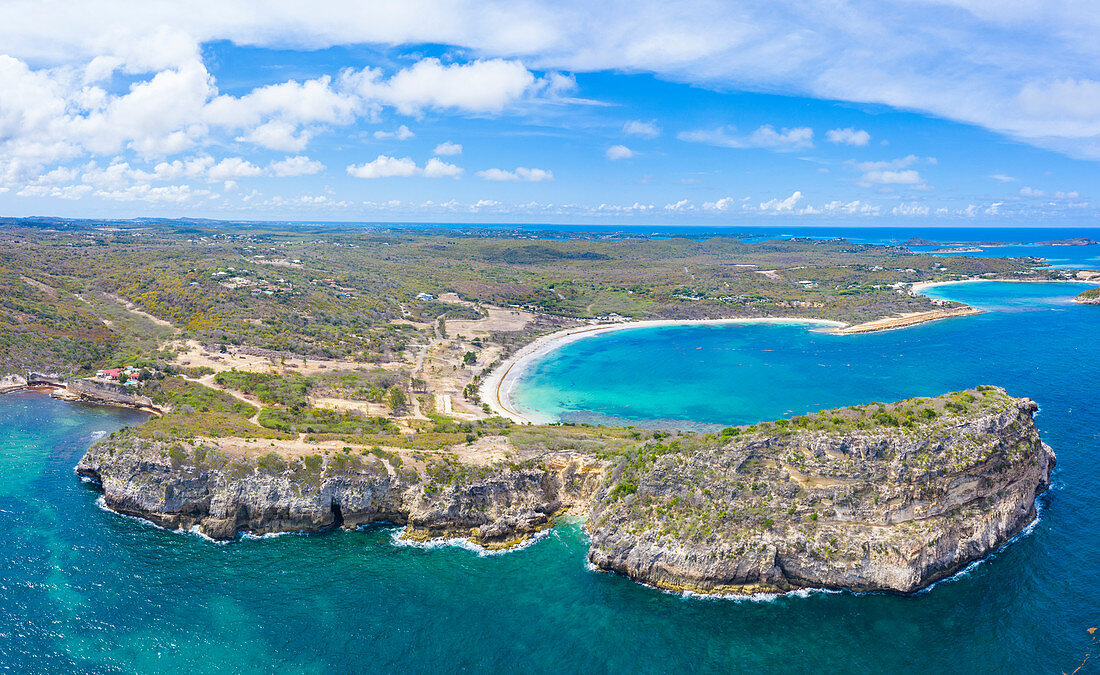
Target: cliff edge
882,497
872,498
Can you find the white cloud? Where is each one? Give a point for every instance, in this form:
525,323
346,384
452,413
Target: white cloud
299,165
1072,194
1031,192
767,136
384,167
899,163
880,177
390,167
447,148
849,136
233,167
1004,178
437,168
967,69
642,129
853,207
403,133
782,205
619,152
910,209
277,135
723,204
520,174
483,86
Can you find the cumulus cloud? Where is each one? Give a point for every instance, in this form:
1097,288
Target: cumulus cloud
437,168
642,129
910,209
299,165
619,152
723,204
277,135
849,136
783,140
520,174
1031,192
389,167
483,86
384,167
447,148
782,205
403,133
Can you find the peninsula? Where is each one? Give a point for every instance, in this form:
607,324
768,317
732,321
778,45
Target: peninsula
869,498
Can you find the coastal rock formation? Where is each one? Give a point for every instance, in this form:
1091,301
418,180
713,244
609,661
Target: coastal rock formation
1089,297
12,383
934,486
876,497
103,392
181,487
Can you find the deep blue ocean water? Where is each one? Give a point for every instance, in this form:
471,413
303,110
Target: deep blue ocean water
82,589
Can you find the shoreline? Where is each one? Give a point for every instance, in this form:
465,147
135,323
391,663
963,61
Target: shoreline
496,388
916,288
61,391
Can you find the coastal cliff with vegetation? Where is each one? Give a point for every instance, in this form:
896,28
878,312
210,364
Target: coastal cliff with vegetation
877,497
1089,297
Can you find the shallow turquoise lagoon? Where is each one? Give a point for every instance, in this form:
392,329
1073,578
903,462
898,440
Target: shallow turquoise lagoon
86,590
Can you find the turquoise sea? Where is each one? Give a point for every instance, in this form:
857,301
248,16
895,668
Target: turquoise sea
85,590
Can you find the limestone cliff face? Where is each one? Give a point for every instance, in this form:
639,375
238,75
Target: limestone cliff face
182,487
866,511
868,498
103,392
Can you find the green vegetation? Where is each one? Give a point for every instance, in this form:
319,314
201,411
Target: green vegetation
288,389
350,293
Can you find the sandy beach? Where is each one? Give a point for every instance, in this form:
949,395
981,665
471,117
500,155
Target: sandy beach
1089,277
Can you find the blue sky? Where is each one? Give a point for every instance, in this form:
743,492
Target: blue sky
905,113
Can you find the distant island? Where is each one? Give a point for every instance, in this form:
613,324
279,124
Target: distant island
974,247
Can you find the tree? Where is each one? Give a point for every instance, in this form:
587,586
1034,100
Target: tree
397,399
442,327
469,358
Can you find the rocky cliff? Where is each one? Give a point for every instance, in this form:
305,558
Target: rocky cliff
106,393
872,498
1089,297
878,497
177,485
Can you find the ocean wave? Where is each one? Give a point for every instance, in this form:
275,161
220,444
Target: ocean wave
96,435
397,538
101,502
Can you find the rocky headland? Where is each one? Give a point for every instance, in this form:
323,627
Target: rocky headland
883,497
86,390
1089,297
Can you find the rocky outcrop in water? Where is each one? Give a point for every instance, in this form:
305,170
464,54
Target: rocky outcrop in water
878,497
936,485
106,393
1089,297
